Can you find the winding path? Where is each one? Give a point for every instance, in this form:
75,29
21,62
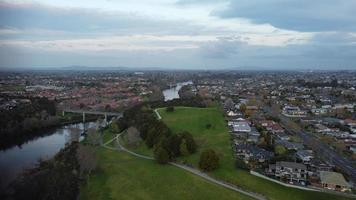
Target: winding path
186,168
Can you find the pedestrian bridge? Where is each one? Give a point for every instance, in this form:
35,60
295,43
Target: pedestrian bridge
89,112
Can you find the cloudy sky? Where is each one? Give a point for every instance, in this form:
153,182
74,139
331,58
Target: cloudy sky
179,34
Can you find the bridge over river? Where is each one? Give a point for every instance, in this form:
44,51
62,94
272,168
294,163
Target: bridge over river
89,112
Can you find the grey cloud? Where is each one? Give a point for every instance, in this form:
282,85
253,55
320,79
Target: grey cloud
197,2
301,15
84,21
317,54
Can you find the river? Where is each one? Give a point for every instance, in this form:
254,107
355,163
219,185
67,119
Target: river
14,160
172,93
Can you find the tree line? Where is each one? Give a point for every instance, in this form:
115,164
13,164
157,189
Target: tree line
156,134
57,178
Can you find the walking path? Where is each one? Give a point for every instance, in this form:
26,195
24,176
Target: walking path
158,115
186,168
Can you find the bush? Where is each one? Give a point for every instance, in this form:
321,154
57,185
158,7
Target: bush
208,126
209,160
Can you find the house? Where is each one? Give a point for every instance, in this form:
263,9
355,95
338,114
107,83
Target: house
241,127
251,107
320,128
293,111
272,126
253,136
334,181
283,136
232,114
305,155
290,171
251,152
319,111
290,145
353,148
351,123
316,166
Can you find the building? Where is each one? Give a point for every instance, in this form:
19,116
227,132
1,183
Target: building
293,111
241,127
290,145
334,181
305,155
251,152
290,171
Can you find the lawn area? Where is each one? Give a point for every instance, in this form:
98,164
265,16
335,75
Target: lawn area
122,176
217,137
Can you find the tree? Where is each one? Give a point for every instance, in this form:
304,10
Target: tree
229,104
86,159
81,105
209,160
107,107
93,136
279,149
170,109
133,136
191,145
174,142
241,164
161,155
115,126
183,148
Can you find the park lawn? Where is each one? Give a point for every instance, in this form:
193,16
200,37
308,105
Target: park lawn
123,176
218,138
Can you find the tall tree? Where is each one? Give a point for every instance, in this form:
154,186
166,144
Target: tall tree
161,155
183,148
209,160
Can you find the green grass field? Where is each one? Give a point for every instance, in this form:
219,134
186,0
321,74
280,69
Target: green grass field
217,137
122,176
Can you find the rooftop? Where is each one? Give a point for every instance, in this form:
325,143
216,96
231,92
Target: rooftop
333,178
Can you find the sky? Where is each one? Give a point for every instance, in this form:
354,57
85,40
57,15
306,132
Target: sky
179,34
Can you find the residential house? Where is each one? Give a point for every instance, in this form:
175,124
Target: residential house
290,171
251,152
334,181
290,145
293,111
241,127
305,155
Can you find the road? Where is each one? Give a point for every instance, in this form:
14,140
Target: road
321,148
186,168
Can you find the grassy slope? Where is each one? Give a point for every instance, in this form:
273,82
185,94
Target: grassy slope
122,176
217,137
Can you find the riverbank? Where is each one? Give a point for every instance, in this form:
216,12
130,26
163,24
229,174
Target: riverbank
46,144
172,92
57,178
19,138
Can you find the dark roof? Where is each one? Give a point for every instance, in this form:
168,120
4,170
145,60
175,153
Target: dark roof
292,165
256,151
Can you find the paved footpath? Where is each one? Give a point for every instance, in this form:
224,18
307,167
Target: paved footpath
186,168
